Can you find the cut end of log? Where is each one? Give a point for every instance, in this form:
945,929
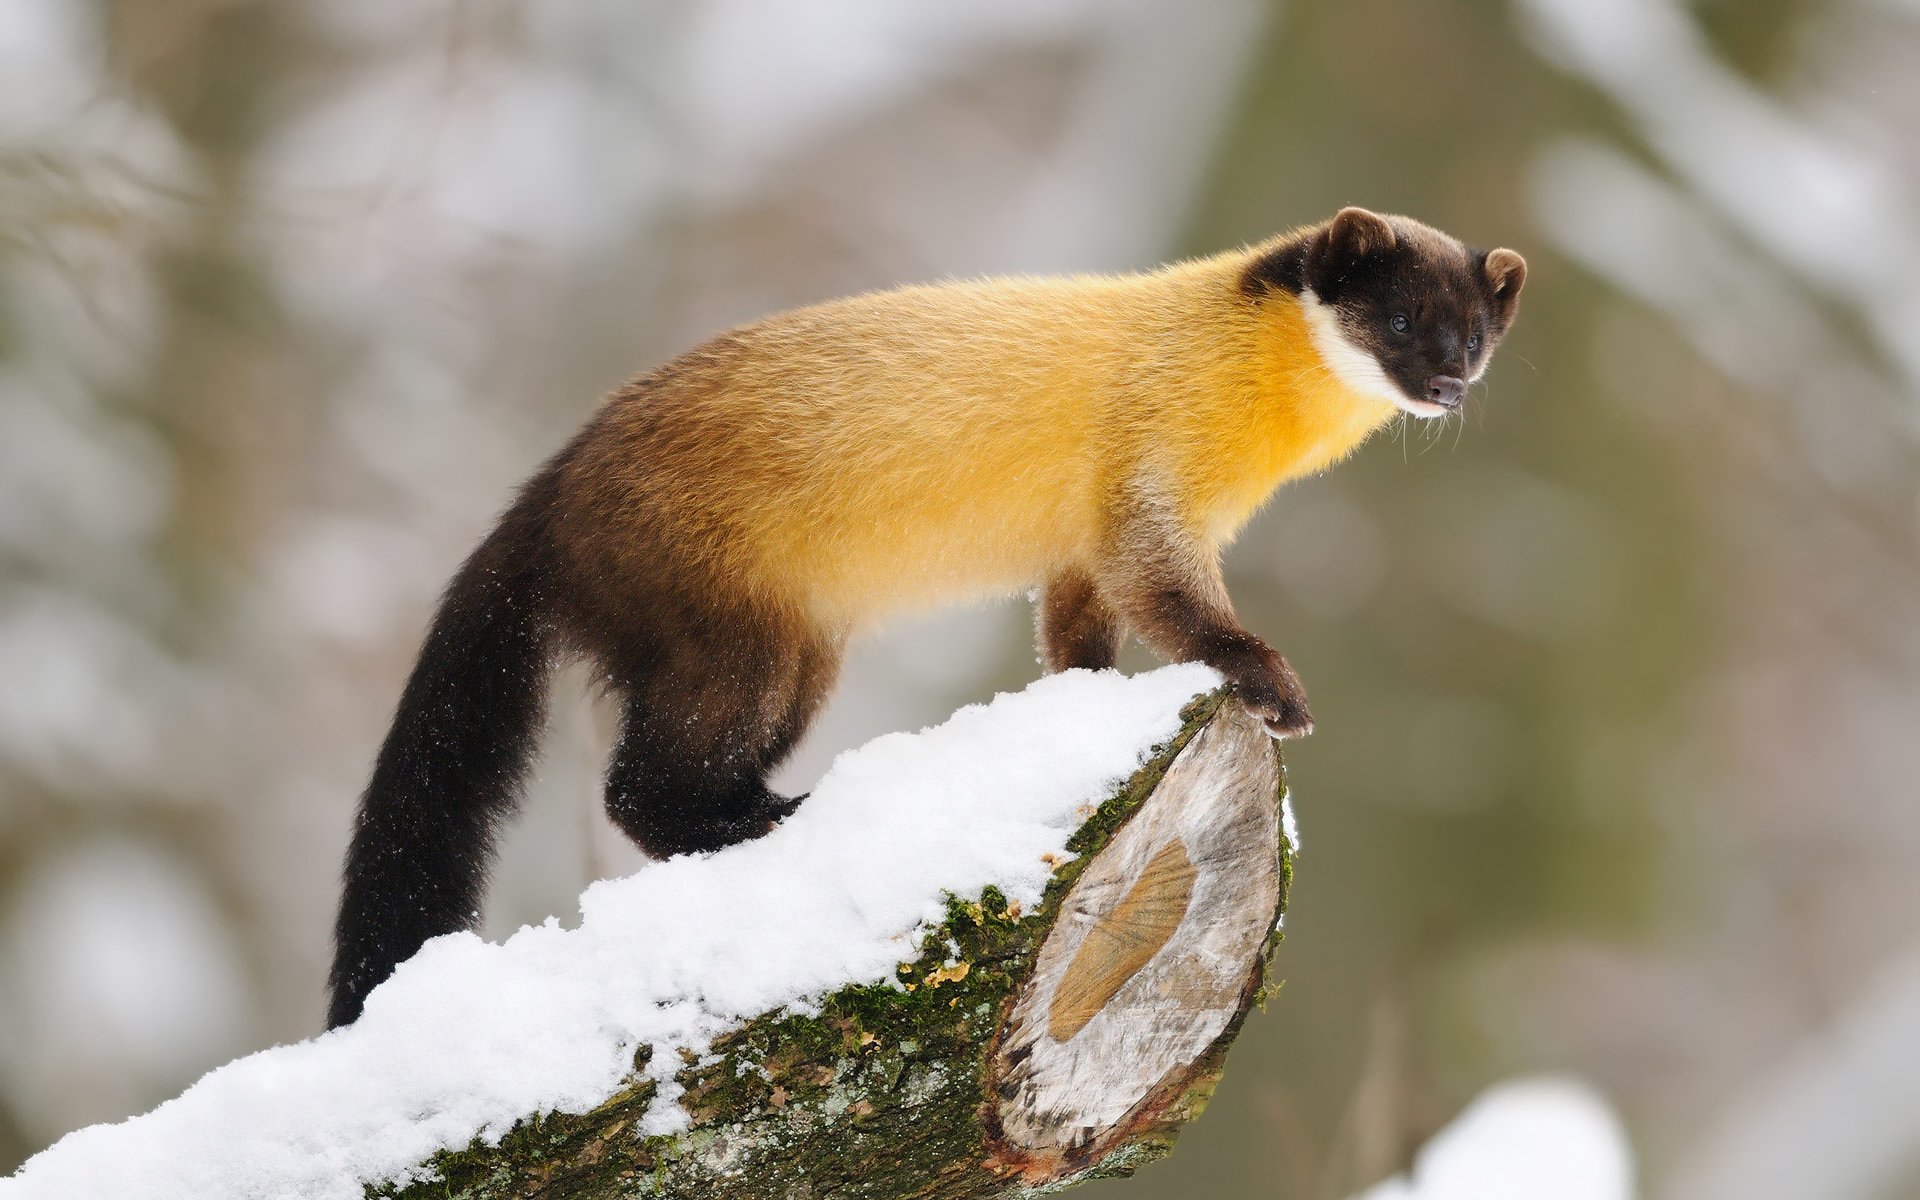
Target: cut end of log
1154,959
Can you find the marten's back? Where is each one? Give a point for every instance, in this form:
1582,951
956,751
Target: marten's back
886,451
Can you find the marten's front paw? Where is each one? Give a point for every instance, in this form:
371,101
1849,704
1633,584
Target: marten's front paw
1288,719
1272,692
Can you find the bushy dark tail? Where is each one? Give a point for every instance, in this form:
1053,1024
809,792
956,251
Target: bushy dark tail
452,765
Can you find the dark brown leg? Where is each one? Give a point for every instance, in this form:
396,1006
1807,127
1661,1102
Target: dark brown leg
818,667
1077,627
1167,587
712,706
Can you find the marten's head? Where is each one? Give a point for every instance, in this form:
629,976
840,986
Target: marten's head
1397,309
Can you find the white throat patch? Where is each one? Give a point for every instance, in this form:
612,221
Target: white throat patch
1356,368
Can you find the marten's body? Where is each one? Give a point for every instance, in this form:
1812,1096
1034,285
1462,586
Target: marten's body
935,444
716,533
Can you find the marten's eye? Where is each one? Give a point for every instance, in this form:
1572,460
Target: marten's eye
1400,323
1473,343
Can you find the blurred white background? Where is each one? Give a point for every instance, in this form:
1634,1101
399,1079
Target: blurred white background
1616,684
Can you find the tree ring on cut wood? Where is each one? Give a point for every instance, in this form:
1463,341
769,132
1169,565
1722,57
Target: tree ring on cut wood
1121,941
1154,957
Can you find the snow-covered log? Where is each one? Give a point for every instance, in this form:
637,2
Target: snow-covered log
994,958
1021,1051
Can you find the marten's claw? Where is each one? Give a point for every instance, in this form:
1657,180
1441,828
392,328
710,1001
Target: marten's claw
779,808
1294,725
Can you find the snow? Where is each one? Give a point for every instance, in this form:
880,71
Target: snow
1523,1140
469,1036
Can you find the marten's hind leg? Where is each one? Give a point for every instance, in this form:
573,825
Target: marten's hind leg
817,667
711,708
1077,627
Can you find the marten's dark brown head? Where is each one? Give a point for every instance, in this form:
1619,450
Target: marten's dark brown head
1398,309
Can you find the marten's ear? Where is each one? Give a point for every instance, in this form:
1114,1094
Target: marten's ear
1356,233
1506,273
1322,261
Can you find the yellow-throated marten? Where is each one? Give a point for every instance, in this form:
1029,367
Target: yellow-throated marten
715,534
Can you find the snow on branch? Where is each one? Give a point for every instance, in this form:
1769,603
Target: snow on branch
1069,888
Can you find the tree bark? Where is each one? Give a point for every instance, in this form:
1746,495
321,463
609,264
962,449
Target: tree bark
1021,1053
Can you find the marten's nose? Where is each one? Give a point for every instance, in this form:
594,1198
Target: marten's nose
1446,389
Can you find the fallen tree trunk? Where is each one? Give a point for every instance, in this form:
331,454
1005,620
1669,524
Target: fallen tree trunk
1021,1052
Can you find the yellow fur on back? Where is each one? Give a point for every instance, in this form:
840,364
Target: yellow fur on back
931,444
